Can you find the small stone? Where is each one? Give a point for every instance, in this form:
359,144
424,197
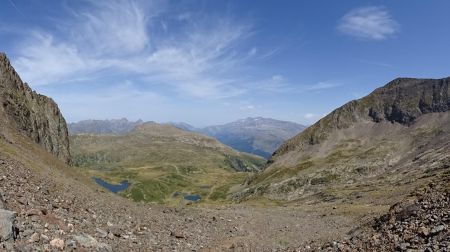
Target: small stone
34,238
44,237
101,233
424,231
404,246
71,244
86,241
57,243
27,232
177,235
111,236
22,201
33,212
437,229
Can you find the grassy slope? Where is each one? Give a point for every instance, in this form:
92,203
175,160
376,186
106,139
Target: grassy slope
160,160
363,163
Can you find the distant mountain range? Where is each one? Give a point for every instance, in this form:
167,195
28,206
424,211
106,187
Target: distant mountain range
113,126
259,136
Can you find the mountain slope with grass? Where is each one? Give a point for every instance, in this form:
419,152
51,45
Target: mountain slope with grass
374,149
161,160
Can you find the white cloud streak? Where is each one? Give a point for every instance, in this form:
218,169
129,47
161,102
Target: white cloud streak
322,86
200,60
370,23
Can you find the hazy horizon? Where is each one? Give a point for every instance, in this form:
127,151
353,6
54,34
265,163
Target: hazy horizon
194,125
213,62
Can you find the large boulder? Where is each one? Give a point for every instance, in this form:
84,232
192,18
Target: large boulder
6,224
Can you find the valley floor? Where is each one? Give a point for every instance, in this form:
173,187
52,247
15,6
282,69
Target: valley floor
55,211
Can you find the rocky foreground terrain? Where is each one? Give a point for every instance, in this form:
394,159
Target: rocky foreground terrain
49,211
421,222
54,212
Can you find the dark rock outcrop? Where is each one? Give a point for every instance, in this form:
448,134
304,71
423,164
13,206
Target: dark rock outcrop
402,101
34,115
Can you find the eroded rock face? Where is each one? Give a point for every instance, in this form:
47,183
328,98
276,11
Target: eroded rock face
35,115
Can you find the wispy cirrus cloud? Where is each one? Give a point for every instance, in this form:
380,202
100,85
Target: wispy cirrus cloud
371,23
201,59
280,84
322,86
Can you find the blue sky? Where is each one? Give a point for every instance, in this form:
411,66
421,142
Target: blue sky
211,62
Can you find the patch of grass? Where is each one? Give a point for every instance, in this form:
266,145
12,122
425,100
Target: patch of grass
325,178
220,193
281,173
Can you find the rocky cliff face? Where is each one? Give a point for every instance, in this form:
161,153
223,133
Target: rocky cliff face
402,101
34,115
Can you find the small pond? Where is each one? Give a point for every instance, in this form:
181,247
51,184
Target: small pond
115,188
192,197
